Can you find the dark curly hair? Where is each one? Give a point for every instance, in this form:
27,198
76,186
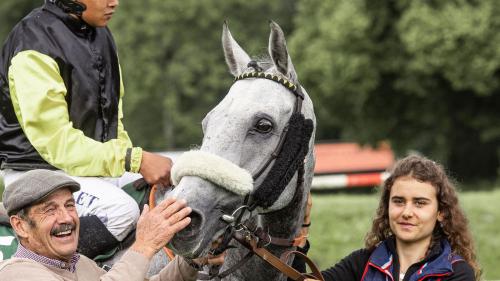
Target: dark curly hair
454,226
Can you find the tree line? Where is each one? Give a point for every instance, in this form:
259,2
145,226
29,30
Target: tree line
423,75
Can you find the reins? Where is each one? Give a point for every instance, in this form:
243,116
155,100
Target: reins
255,239
251,242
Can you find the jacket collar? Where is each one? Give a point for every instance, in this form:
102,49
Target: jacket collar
77,25
25,253
438,261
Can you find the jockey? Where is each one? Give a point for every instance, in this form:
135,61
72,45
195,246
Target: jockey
61,108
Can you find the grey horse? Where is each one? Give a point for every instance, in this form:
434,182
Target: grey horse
244,129
240,134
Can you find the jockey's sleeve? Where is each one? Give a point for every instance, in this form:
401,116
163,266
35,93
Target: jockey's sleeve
38,95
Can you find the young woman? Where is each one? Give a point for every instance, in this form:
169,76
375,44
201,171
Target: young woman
419,231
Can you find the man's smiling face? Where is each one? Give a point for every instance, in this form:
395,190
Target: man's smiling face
52,226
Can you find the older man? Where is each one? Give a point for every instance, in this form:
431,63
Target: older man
43,214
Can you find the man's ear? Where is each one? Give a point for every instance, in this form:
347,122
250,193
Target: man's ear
20,226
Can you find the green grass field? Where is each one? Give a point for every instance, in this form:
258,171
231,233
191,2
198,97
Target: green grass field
340,222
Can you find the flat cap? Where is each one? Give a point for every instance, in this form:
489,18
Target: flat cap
32,186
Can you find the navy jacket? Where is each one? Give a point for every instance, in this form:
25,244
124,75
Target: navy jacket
382,264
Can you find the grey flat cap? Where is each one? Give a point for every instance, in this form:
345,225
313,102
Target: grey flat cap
33,186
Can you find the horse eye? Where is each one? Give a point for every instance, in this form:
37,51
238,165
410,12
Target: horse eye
263,126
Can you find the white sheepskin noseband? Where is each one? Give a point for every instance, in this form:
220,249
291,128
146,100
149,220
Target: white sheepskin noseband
213,168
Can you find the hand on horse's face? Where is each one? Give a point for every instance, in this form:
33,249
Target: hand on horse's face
156,227
155,169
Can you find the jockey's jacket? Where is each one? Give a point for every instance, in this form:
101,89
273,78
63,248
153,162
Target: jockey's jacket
61,98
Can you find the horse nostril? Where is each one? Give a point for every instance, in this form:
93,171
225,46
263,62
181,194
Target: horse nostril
196,220
193,228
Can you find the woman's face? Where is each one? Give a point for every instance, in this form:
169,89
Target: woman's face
413,210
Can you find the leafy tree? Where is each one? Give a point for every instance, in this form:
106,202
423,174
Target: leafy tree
423,74
11,11
173,64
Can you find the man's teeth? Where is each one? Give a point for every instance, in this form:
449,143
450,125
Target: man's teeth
63,233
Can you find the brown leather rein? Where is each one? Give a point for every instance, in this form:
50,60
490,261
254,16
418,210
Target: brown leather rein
255,241
250,240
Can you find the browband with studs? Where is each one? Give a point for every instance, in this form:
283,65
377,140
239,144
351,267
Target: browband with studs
278,79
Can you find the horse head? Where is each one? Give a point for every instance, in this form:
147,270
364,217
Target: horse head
266,112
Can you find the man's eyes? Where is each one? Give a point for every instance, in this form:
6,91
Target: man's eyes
50,210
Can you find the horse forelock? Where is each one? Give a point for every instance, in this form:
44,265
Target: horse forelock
266,65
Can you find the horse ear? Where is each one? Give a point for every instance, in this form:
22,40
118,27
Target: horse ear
279,52
236,58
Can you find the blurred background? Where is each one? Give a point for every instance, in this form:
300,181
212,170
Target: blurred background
387,78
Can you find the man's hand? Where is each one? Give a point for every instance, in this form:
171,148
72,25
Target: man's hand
156,227
155,168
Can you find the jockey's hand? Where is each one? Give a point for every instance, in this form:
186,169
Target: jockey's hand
156,227
304,231
155,168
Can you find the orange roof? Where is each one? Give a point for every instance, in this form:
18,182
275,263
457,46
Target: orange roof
332,158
